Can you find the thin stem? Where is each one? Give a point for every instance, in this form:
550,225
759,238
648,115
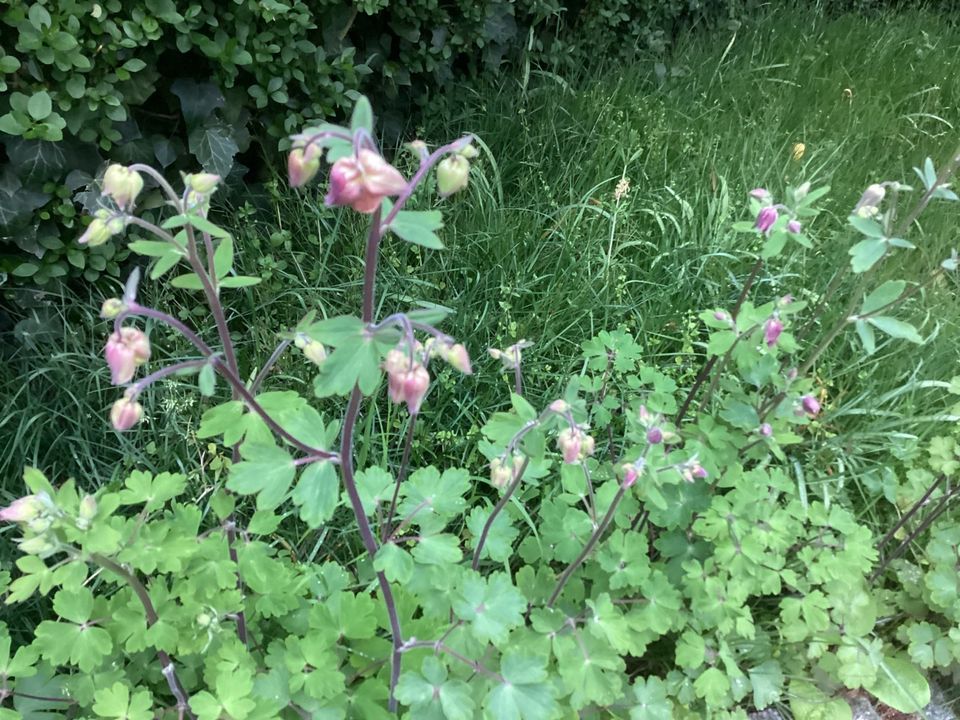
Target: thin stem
268,366
588,548
708,366
346,459
832,288
517,378
440,647
167,667
497,509
911,512
161,181
425,165
387,530
920,529
145,382
250,401
407,520
230,527
137,309
590,493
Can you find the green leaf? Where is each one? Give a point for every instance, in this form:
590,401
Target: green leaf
267,470
442,549
896,328
197,100
866,253
362,116
394,562
165,263
883,295
336,331
355,362
152,248
215,147
901,686
134,65
690,650
418,226
869,227
116,702
152,492
187,282
431,695
223,257
713,686
195,221
225,419
867,336
40,106
239,281
808,703
500,538
650,700
317,493
527,693
767,682
492,606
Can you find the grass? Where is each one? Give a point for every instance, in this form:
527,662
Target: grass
539,249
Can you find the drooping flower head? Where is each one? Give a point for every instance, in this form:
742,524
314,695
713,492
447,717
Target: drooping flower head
125,413
772,330
810,405
302,165
453,174
407,379
103,227
125,351
869,203
363,180
766,219
122,184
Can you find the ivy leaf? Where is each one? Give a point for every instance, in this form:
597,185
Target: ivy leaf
215,147
198,101
866,253
36,160
418,227
266,470
492,606
896,328
116,702
651,701
317,493
526,695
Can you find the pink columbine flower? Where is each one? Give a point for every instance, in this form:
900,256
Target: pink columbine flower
794,227
569,442
362,181
766,219
407,380
810,405
766,430
302,165
125,413
630,476
772,330
125,351
654,436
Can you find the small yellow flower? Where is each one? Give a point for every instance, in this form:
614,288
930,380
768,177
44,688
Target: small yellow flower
798,150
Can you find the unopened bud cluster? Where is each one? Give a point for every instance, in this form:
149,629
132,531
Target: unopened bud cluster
575,445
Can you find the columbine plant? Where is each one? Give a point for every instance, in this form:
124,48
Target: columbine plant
624,518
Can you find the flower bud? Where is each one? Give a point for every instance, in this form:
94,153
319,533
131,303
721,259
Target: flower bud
801,192
125,413
25,509
500,474
772,330
559,406
301,167
124,352
654,436
111,308
87,511
765,430
469,152
721,316
870,200
766,219
122,184
630,475
415,386
760,194
459,359
363,181
312,350
453,173
794,227
101,228
568,442
810,405
40,545
202,183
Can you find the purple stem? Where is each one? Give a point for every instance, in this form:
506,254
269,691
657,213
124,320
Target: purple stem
142,384
346,460
137,309
265,370
497,509
401,476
